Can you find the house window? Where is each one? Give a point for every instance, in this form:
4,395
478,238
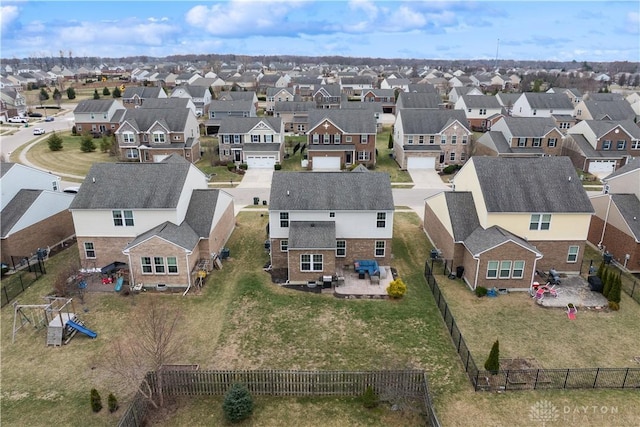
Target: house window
522,142
432,139
505,269
454,139
268,138
483,111
93,116
381,219
117,218
363,156
536,142
341,248
172,265
410,140
552,142
421,139
89,250
316,138
622,144
131,153
535,112
54,185
464,139
364,139
225,139
300,128
284,245
452,156
572,256
492,270
443,139
347,139
336,138
469,110
380,244
579,112
326,139
236,139
145,262
158,264
284,219
606,145
540,222
128,218
311,262
635,144
121,218
332,214
255,138
79,129
225,152
128,138
518,270
463,156
159,138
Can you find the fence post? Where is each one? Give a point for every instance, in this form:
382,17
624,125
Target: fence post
475,386
535,383
466,366
624,381
595,380
633,288
565,379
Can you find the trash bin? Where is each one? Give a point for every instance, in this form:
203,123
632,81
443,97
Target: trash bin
607,257
256,200
434,253
459,271
264,203
224,253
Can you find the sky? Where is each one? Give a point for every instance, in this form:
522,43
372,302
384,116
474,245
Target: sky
584,30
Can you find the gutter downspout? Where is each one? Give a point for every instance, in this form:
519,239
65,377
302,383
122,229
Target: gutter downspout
475,281
186,257
604,227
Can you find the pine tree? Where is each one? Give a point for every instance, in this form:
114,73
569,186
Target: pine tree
237,404
606,281
55,142
390,145
493,361
600,272
71,93
96,95
96,400
616,288
117,93
106,91
86,144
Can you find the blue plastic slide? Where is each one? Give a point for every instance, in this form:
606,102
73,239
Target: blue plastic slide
80,328
119,284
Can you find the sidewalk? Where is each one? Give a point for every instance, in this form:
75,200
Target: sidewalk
23,159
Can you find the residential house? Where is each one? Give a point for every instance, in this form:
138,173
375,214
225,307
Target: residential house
575,95
278,94
294,114
520,137
220,109
159,129
478,110
322,222
605,96
430,138
385,97
165,237
34,212
98,116
239,96
419,100
306,86
338,138
422,88
134,96
604,110
460,81
257,142
356,85
502,222
507,100
273,81
199,95
328,96
615,227
395,83
457,91
215,83
534,104
187,78
374,107
602,146
12,103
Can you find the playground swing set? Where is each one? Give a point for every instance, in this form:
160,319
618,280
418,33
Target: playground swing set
58,315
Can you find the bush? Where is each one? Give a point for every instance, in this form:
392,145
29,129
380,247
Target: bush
607,280
481,291
370,398
616,288
112,403
277,166
450,169
86,144
231,166
493,361
74,130
397,288
105,144
390,143
96,400
237,404
55,142
614,306
244,166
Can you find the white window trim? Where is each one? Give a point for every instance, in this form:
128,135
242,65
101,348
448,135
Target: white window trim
376,248
513,271
284,245
343,248
312,262
496,269
87,250
569,254
176,265
150,265
540,222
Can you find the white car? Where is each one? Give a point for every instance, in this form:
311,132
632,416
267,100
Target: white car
38,131
17,119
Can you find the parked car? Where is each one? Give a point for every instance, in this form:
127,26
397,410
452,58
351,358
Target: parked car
17,119
34,114
38,131
49,119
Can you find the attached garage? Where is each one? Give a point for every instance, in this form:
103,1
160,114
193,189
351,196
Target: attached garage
159,157
261,162
326,163
421,162
601,166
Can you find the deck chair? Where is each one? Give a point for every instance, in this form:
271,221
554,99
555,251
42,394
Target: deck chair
539,295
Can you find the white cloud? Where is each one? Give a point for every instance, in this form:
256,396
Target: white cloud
366,6
8,14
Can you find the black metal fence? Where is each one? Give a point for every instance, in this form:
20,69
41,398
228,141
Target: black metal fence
389,385
630,285
526,379
29,270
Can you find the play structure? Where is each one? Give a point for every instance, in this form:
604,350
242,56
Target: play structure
572,310
58,315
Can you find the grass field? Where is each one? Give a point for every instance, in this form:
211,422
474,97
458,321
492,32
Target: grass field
242,321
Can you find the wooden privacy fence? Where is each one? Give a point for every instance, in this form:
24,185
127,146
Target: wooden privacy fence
389,385
527,379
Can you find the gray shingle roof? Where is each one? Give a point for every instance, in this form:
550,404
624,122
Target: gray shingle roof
481,101
496,141
230,106
331,191
422,88
293,106
629,207
143,118
462,212
237,96
273,91
202,208
529,127
613,110
602,127
164,103
508,99
350,121
5,167
545,101
630,166
429,121
141,91
481,240
16,208
182,235
93,106
133,185
545,184
312,235
332,90
236,125
419,100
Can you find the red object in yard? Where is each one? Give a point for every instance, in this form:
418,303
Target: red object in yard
107,280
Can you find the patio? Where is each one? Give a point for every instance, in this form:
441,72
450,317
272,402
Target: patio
575,290
354,287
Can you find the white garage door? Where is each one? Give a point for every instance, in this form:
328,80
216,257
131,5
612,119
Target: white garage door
601,166
421,163
159,157
261,162
326,163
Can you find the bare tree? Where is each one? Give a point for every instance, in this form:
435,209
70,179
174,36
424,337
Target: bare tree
152,344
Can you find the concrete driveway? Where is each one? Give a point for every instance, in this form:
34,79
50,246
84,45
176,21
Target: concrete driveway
427,179
256,178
